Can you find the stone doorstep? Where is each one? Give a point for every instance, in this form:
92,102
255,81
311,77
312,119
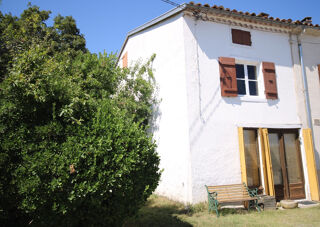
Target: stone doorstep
304,204
307,203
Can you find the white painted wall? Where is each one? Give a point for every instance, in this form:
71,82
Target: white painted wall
311,56
167,42
213,119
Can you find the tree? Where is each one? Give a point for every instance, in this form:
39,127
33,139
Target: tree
73,128
19,34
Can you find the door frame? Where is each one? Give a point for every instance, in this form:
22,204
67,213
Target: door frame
310,175
282,154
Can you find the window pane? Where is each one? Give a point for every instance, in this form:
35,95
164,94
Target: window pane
252,158
240,71
252,72
275,158
253,87
292,159
241,87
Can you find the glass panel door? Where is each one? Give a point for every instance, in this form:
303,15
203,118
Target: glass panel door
286,164
294,166
252,158
274,142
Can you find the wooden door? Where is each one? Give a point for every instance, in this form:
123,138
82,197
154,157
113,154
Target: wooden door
293,165
286,164
277,164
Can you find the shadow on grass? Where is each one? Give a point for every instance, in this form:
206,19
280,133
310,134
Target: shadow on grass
158,216
232,211
223,210
160,211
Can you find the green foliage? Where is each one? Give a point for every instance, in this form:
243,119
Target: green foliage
18,35
73,128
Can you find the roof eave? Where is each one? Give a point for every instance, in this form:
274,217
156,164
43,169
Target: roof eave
236,15
296,28
250,17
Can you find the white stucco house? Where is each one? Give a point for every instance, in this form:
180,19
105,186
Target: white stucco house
233,104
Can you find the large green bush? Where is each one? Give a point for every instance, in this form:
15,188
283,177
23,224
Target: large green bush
73,128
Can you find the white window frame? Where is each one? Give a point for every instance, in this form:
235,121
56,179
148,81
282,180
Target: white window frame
259,80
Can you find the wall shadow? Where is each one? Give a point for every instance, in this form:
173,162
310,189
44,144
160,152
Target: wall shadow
205,114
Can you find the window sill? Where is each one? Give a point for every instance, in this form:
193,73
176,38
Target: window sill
252,99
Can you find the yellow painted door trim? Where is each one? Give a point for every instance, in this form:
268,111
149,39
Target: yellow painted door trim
242,156
265,138
264,165
311,164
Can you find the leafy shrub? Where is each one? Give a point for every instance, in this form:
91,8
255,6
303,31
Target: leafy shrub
73,128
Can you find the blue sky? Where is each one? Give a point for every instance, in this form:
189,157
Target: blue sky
105,23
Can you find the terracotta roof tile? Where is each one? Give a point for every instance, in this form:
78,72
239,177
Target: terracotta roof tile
306,21
263,15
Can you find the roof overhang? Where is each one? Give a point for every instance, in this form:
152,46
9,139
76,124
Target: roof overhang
202,11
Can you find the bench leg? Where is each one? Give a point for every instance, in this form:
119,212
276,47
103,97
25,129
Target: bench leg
254,203
257,205
216,204
213,206
247,204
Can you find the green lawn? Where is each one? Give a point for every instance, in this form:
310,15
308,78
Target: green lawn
160,211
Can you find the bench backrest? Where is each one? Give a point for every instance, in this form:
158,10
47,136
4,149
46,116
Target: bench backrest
233,192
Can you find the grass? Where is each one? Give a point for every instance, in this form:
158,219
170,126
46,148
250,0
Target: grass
160,211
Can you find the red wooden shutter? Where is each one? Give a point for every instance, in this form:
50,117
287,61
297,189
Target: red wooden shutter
125,60
270,83
228,78
241,37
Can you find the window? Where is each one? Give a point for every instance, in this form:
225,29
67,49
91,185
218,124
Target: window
240,77
241,37
247,82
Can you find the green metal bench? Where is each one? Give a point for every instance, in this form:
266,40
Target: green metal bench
231,193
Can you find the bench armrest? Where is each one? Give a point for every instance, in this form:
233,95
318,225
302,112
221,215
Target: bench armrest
212,195
252,192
